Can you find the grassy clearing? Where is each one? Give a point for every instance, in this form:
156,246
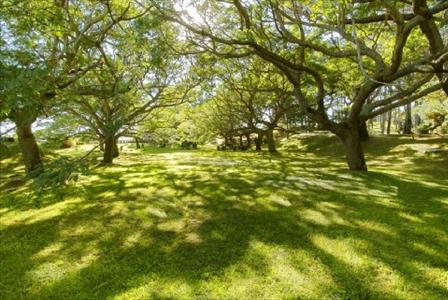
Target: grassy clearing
206,224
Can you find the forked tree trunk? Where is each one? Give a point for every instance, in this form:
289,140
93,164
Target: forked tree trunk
350,136
29,147
271,141
110,150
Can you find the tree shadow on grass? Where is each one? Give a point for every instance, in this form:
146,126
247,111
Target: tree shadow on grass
174,226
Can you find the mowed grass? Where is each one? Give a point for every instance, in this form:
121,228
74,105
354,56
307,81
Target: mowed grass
230,225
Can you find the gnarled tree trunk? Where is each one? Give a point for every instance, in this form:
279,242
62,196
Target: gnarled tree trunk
29,147
350,136
110,150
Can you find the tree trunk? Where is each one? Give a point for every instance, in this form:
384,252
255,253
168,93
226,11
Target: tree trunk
248,141
363,132
389,121
258,141
383,123
407,128
115,152
241,142
397,121
270,140
417,118
110,150
350,136
137,143
29,147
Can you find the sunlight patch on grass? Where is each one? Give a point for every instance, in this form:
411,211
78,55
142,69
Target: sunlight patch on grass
280,200
387,282
316,217
175,226
428,250
159,213
57,269
346,250
34,215
410,217
158,289
322,217
300,273
438,276
160,224
134,239
377,227
50,250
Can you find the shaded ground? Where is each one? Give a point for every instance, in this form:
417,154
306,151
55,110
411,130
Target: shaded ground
207,224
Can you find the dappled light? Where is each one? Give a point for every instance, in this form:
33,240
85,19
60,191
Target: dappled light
198,224
223,149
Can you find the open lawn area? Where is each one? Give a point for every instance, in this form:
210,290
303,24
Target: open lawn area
203,224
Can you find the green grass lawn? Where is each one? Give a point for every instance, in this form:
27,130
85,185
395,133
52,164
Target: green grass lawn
230,225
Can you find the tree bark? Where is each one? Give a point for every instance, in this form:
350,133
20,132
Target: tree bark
29,147
389,121
110,150
363,131
258,141
350,136
270,140
115,152
408,121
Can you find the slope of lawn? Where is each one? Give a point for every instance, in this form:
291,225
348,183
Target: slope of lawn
230,225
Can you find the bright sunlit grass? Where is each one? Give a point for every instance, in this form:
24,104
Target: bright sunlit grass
229,225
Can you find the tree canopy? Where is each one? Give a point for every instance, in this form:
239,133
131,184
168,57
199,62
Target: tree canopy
248,67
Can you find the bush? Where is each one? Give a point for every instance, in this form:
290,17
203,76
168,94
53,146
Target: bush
423,129
443,129
68,143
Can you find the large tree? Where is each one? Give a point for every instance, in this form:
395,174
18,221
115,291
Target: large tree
315,43
141,74
46,46
257,94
